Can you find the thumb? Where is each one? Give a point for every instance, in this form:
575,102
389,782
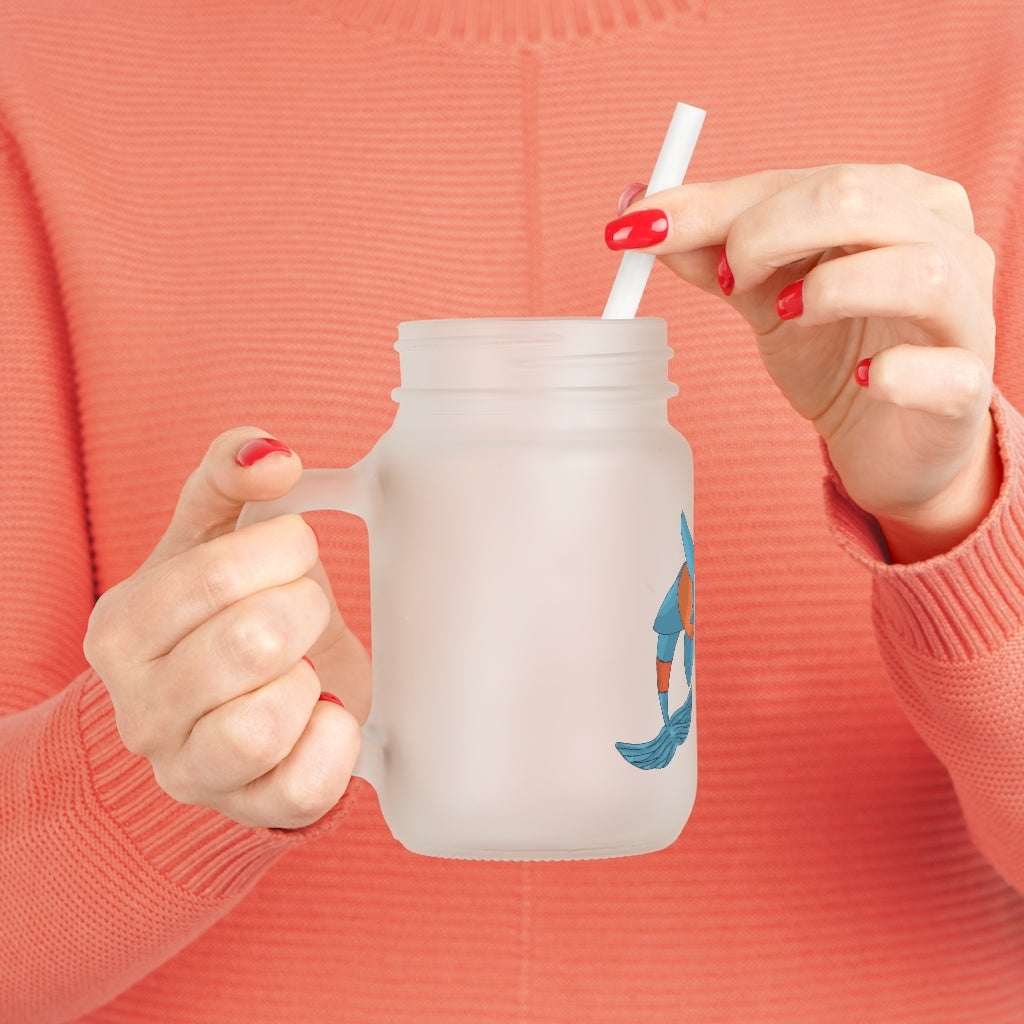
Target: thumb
241,465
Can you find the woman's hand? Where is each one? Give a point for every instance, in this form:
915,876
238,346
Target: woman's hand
203,650
871,300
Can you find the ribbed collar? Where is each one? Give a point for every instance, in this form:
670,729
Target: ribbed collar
523,22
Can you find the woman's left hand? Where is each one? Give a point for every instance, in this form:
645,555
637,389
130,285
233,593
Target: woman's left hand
870,297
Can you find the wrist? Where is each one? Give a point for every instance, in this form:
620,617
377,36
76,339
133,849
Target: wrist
949,518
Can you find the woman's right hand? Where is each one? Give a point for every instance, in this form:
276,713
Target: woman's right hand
203,650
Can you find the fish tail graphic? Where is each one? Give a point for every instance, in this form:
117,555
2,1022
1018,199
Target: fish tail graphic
657,753
675,618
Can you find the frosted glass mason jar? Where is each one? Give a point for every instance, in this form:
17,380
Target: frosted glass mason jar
532,598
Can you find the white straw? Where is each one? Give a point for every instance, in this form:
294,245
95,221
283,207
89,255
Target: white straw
674,158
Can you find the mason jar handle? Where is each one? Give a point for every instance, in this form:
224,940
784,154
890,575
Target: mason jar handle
338,490
331,490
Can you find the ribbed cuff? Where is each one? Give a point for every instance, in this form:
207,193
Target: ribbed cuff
962,604
196,849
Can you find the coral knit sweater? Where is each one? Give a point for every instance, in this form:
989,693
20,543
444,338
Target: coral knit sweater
214,214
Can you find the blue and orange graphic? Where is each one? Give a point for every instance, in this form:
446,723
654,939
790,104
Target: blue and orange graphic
675,618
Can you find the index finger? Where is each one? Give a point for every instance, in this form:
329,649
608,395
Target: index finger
171,599
700,214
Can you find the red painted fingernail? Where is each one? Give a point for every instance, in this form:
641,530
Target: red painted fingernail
861,373
309,663
790,303
637,230
628,195
331,698
252,451
724,274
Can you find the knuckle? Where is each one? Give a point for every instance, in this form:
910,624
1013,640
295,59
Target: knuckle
327,758
263,634
309,795
143,731
985,257
104,641
254,733
136,737
971,382
292,535
848,194
177,783
952,408
953,195
221,581
959,384
96,642
140,729
931,271
778,180
315,604
254,641
903,173
950,201
308,610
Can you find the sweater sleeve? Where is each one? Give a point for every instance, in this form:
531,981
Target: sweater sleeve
951,631
102,876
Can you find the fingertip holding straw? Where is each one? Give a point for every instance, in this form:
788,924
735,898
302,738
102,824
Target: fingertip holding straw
669,170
